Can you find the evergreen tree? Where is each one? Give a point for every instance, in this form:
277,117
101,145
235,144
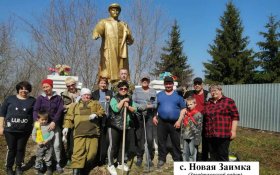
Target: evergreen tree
173,59
269,57
232,63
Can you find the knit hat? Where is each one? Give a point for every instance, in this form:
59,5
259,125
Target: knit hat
85,91
47,81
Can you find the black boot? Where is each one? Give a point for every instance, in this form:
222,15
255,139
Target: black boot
19,170
49,170
76,171
10,171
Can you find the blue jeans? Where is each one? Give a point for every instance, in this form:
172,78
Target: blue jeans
189,150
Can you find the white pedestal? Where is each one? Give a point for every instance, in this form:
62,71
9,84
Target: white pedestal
59,82
159,86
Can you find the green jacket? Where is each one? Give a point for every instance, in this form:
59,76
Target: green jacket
116,118
77,118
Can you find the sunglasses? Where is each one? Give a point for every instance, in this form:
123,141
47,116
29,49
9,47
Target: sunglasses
123,89
70,85
24,90
197,83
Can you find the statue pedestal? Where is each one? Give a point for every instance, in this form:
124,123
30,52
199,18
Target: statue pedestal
59,82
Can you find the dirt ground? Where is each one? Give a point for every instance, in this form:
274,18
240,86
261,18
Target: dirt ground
250,145
167,169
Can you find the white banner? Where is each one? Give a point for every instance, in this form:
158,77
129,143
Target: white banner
216,168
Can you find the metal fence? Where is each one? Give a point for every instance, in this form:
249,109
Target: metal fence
258,105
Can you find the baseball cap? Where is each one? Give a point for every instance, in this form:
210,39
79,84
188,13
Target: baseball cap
197,80
168,79
145,76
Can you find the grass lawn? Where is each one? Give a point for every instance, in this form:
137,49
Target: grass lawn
257,145
250,145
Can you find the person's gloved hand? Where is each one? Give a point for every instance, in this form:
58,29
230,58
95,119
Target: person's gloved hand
65,131
92,116
78,99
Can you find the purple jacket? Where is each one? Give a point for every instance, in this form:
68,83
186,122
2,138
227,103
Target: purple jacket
54,106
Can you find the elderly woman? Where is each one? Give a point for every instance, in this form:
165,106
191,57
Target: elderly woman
221,119
115,129
16,111
51,102
83,118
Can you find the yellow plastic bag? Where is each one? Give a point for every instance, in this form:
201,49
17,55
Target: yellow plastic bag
39,134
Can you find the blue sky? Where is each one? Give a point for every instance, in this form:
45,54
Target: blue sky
198,20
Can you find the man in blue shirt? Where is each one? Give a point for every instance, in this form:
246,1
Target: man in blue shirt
170,112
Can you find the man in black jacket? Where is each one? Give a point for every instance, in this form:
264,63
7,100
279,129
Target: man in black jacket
201,96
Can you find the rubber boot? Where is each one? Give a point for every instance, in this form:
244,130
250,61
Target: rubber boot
77,171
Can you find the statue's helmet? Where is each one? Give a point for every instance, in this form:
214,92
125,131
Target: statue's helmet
114,5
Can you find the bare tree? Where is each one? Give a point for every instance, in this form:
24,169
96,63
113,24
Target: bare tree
62,35
148,25
15,62
8,58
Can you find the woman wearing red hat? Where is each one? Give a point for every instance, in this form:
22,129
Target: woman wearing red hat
53,103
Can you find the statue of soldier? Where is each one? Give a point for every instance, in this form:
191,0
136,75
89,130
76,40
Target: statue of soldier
116,36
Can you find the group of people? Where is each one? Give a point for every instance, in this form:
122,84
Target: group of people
112,125
92,124
211,118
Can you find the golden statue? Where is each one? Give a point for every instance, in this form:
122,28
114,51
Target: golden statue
116,36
